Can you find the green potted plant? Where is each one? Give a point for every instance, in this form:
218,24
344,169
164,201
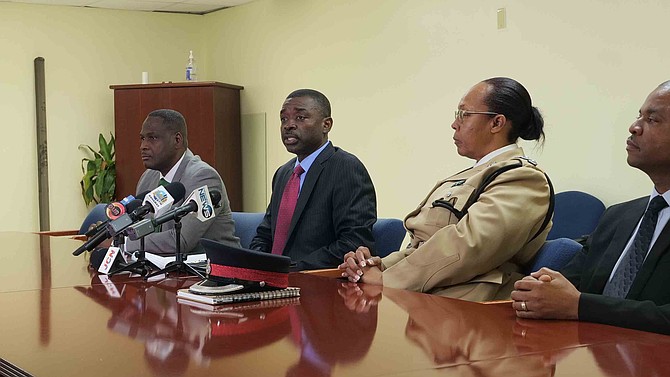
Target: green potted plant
99,168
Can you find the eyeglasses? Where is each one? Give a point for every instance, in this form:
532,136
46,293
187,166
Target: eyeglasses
460,114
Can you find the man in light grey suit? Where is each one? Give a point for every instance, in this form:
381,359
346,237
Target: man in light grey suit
165,154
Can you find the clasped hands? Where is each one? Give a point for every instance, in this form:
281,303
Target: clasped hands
360,299
361,266
545,294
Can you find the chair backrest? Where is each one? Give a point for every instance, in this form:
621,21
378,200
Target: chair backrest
554,254
388,234
245,226
576,214
98,213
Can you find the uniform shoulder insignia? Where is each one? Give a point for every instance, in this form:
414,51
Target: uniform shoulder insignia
458,183
528,160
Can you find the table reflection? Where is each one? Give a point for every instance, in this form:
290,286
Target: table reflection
460,334
334,328
148,313
176,332
330,333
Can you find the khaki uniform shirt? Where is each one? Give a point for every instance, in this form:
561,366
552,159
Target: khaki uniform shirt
479,257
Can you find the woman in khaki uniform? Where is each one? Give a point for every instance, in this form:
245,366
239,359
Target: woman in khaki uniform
467,244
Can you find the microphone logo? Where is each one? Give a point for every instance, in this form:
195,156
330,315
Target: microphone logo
114,210
160,199
205,210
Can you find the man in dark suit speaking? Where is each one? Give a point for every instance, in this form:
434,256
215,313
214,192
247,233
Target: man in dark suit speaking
622,276
323,201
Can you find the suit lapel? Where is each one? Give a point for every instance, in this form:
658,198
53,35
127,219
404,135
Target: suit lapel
188,155
659,249
621,235
182,167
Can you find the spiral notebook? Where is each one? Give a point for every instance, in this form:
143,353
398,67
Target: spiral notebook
239,297
232,310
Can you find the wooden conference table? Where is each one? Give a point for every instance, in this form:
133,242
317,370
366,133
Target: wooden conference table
59,319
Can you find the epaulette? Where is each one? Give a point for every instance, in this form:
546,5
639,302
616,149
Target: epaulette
528,160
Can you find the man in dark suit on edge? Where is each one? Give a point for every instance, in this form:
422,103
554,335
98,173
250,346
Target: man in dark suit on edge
622,276
323,201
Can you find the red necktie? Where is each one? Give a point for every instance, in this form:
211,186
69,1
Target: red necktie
286,208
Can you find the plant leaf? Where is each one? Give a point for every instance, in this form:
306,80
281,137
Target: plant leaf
99,168
105,149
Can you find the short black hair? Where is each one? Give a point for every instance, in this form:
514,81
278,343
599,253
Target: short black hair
172,121
508,97
318,97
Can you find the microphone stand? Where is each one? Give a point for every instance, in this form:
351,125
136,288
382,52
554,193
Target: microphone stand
179,264
141,265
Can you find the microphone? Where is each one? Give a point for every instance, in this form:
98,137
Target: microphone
112,211
133,205
201,201
155,200
114,227
98,257
141,195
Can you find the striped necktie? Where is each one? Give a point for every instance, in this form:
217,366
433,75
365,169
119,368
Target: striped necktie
625,273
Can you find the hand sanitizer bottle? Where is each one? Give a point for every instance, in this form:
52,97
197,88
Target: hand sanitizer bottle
191,74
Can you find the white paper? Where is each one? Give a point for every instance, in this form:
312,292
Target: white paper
162,261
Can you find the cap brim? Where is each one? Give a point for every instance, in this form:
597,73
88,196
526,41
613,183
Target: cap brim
212,287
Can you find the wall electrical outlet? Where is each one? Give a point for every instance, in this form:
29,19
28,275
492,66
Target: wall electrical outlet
502,18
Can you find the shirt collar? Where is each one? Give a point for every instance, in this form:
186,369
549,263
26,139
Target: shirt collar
495,153
170,175
307,162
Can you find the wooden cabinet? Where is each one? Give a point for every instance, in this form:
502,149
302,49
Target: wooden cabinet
212,112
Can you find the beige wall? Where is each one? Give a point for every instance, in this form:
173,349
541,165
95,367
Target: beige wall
394,71
85,51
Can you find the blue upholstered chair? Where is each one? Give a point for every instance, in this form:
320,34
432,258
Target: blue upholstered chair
576,214
245,226
97,214
554,254
388,234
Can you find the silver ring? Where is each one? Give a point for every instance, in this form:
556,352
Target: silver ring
523,306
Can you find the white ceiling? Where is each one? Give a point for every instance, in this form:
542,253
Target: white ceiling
176,6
